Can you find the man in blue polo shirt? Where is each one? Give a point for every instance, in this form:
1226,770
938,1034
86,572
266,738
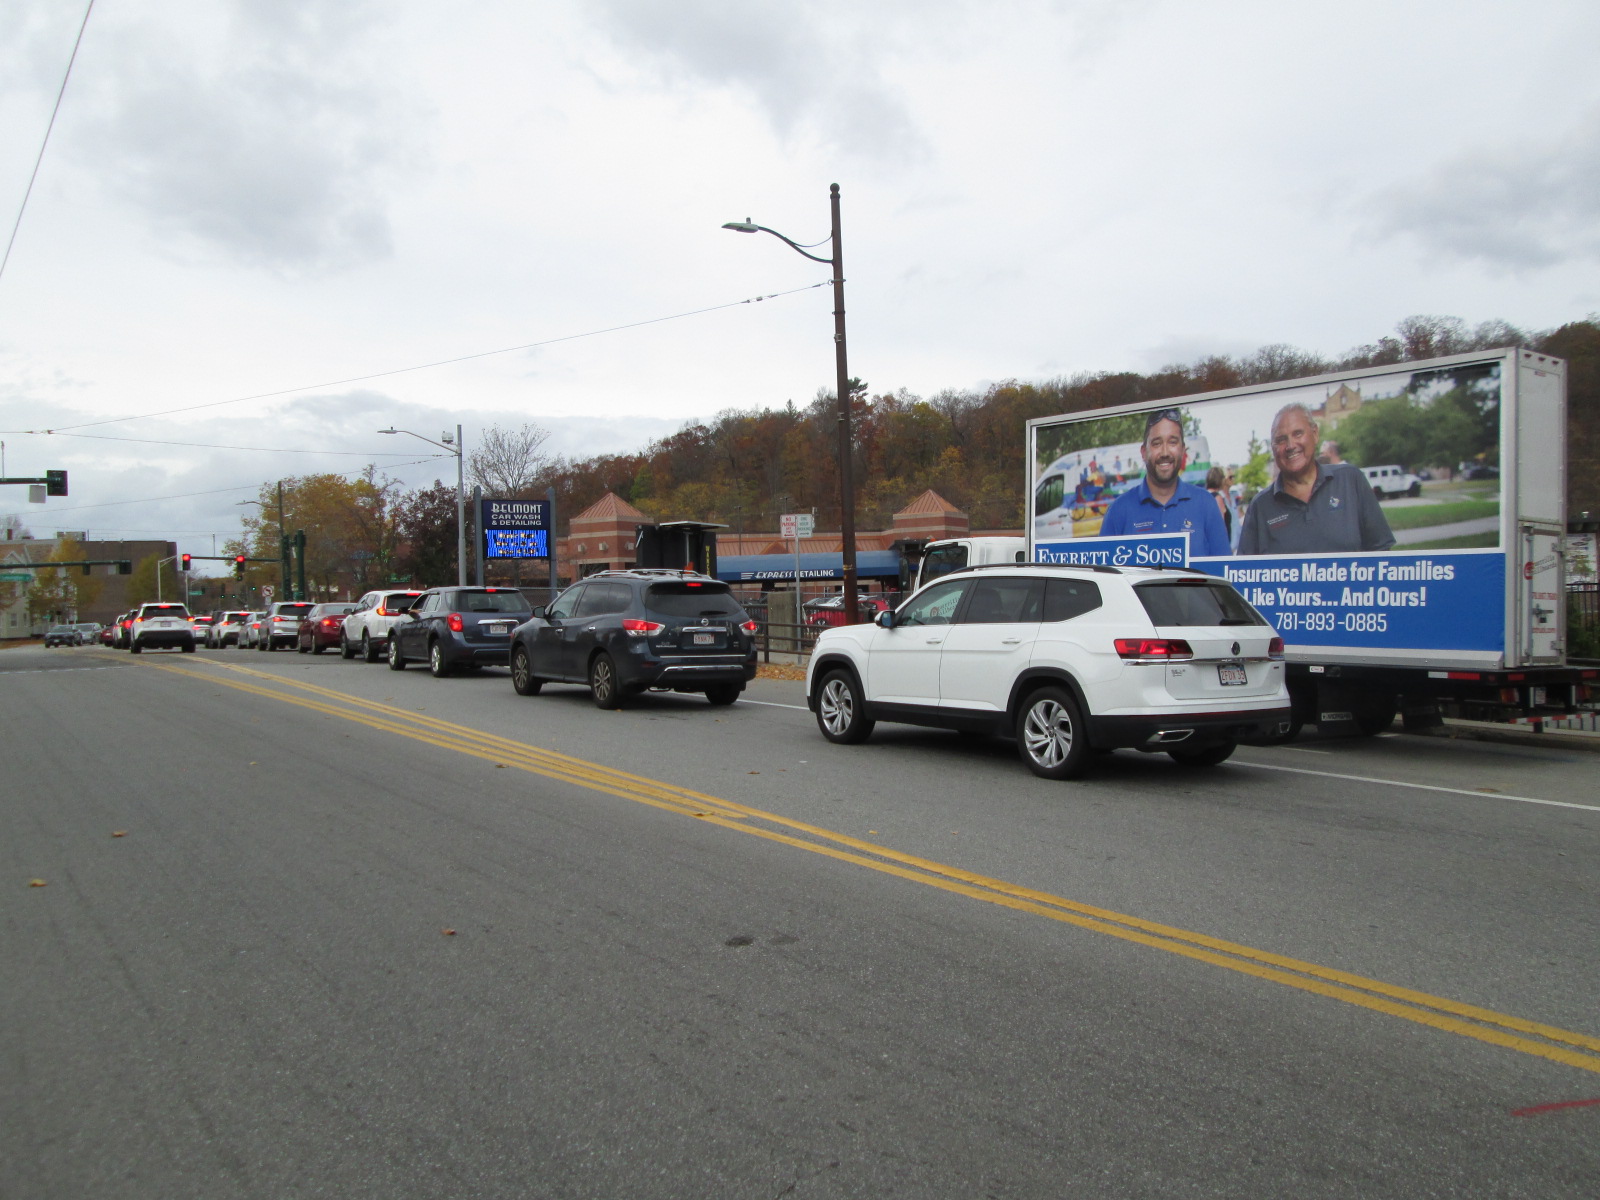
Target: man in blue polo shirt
1162,502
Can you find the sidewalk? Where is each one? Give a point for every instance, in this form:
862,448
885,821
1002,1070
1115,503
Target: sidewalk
1520,735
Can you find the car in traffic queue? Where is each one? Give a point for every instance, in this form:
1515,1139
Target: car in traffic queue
1069,659
280,624
62,635
121,626
108,634
161,625
829,610
224,631
202,628
320,628
250,630
621,633
454,627
366,629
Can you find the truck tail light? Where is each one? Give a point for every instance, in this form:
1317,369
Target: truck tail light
1153,649
454,622
641,628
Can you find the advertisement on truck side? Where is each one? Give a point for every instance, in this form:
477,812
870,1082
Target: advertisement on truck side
1358,513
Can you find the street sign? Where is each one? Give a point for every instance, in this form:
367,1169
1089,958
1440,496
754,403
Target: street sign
16,577
267,593
793,525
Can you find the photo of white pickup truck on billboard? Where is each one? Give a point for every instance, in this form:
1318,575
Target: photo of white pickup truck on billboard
1355,510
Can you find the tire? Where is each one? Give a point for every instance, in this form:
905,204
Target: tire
346,650
135,647
841,713
298,648
437,664
261,644
1414,490
603,682
523,679
1204,756
397,661
317,647
1051,736
1371,722
188,647
1379,493
721,694
370,651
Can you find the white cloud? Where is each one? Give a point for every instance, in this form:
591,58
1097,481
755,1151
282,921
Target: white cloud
1517,206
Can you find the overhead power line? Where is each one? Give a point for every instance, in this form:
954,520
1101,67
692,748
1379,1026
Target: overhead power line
37,162
104,437
443,362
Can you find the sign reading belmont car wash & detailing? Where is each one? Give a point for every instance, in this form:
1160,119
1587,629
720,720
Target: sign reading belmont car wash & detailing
516,528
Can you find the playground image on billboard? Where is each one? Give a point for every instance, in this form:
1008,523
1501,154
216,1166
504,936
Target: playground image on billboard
1367,502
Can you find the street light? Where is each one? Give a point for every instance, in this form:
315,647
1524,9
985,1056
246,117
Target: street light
461,494
847,495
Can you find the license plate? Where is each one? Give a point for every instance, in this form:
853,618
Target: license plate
1232,674
498,628
705,639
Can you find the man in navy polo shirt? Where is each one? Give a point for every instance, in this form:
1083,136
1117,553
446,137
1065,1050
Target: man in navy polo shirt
1162,502
1311,507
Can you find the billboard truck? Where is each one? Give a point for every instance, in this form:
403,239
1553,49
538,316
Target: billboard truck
1402,526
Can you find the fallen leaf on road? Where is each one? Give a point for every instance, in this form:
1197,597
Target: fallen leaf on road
119,833
448,932
37,883
501,766
752,772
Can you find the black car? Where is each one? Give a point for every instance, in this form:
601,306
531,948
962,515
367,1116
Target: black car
453,627
624,632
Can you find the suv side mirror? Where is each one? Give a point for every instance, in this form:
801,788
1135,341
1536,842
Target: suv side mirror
537,612
885,619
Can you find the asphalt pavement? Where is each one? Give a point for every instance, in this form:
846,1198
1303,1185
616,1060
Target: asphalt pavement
313,927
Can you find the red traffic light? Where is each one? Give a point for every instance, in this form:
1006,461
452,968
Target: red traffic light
186,559
238,566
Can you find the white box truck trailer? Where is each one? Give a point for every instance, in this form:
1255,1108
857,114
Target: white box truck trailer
1443,598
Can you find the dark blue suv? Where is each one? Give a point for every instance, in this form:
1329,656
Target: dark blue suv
625,632
453,627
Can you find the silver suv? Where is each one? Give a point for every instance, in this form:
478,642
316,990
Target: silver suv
1068,659
281,624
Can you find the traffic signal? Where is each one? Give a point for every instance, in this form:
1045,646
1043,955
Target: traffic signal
238,566
187,558
55,483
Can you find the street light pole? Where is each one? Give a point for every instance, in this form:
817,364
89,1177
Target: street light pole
847,491
461,497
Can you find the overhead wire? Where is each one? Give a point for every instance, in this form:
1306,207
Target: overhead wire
103,437
37,162
443,362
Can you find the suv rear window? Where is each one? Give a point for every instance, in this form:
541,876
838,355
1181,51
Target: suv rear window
1195,602
501,601
291,610
691,600
164,610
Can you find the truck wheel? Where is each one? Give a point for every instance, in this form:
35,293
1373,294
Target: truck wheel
1414,490
1051,736
1204,756
1380,494
1377,719
841,712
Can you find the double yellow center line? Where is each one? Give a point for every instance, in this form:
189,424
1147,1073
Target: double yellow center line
1560,1045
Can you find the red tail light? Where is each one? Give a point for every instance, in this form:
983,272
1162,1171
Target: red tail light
330,622
454,622
1275,649
749,627
1153,649
641,628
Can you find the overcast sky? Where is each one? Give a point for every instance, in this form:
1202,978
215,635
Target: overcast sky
243,197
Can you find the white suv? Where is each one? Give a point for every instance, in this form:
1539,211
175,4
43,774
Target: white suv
366,630
1068,659
1389,481
156,625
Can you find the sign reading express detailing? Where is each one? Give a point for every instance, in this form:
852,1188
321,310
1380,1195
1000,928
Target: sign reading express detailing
1414,601
516,529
